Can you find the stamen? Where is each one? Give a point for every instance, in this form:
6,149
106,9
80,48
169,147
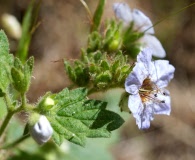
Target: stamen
149,92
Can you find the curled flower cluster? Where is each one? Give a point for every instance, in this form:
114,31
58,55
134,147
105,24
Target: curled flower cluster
142,24
145,84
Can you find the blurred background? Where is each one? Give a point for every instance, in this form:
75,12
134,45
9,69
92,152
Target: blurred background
63,30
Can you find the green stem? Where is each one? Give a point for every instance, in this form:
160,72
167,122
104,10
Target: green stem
23,100
8,103
13,144
11,112
5,122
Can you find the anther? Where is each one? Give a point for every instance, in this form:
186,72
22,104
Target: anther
164,93
163,101
155,95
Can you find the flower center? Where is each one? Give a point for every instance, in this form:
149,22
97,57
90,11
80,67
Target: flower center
149,92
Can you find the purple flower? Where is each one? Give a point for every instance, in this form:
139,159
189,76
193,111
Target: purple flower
142,24
146,85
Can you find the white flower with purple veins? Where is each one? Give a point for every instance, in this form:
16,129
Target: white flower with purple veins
42,130
142,24
146,85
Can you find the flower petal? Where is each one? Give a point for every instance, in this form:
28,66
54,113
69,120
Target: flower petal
142,114
145,57
145,117
135,104
153,43
163,73
142,22
163,108
123,12
135,79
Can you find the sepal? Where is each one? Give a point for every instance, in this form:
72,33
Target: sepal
21,74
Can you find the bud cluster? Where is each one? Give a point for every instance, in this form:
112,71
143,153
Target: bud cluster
96,70
106,61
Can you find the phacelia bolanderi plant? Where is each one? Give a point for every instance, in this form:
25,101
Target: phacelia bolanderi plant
146,85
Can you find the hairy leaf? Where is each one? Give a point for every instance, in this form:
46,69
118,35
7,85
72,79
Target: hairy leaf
21,74
74,117
6,61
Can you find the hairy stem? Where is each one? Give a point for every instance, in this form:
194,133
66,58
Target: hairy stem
23,101
5,122
13,144
11,111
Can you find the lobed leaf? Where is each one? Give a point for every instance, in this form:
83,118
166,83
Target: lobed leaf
75,118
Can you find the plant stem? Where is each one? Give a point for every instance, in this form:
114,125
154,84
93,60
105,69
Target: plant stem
13,144
23,100
8,103
11,112
5,122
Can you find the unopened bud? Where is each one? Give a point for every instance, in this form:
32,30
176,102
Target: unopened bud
11,26
41,131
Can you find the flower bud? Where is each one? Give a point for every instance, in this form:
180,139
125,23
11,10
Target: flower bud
11,25
41,131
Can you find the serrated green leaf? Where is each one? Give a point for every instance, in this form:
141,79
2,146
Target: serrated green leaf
75,117
58,138
6,61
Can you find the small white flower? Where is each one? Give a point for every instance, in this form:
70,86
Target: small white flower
41,131
142,24
146,85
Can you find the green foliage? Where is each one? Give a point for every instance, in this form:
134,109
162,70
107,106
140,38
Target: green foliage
106,61
98,71
6,60
94,42
98,15
109,42
74,117
28,27
130,41
113,39
21,74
